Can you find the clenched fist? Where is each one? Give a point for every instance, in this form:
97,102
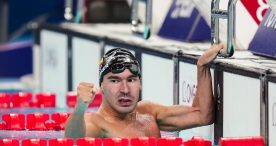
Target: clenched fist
86,92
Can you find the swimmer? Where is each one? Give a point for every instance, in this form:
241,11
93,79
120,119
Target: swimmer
121,114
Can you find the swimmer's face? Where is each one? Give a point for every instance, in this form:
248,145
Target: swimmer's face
121,91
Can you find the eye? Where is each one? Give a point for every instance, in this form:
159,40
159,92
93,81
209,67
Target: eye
114,80
132,80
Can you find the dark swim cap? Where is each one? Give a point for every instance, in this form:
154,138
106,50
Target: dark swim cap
116,61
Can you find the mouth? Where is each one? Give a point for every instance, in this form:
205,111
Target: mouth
125,102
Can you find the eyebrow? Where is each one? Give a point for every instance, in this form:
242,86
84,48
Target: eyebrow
113,77
116,77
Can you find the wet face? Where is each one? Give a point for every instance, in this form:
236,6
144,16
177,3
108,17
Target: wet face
121,91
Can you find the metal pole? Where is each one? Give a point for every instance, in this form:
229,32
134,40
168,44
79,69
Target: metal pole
3,21
230,15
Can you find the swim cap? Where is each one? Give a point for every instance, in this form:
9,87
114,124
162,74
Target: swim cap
116,61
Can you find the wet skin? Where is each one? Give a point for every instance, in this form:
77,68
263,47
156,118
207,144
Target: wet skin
120,114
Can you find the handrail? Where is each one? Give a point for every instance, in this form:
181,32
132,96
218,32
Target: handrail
230,15
135,20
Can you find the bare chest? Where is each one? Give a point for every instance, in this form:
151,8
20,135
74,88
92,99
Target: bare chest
143,126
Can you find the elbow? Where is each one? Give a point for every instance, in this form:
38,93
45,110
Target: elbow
207,119
72,131
206,122
73,135
210,121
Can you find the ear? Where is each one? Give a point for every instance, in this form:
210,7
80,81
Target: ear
140,84
100,89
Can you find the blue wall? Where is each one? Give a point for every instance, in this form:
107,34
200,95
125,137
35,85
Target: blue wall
16,60
21,12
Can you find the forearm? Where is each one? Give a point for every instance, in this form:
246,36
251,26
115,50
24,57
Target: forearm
75,125
204,94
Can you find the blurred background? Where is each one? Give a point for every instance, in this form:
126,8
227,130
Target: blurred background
48,46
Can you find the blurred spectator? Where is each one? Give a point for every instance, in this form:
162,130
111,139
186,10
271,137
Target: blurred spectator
107,11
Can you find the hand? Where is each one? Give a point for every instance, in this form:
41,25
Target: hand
86,92
210,54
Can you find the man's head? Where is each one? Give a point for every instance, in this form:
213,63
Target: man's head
116,61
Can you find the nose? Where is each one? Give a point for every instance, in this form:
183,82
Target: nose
124,87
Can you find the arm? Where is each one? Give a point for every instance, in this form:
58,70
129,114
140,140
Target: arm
204,95
78,122
201,112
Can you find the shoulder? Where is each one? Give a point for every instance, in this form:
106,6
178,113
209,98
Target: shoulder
149,107
93,123
93,118
145,105
94,115
149,104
